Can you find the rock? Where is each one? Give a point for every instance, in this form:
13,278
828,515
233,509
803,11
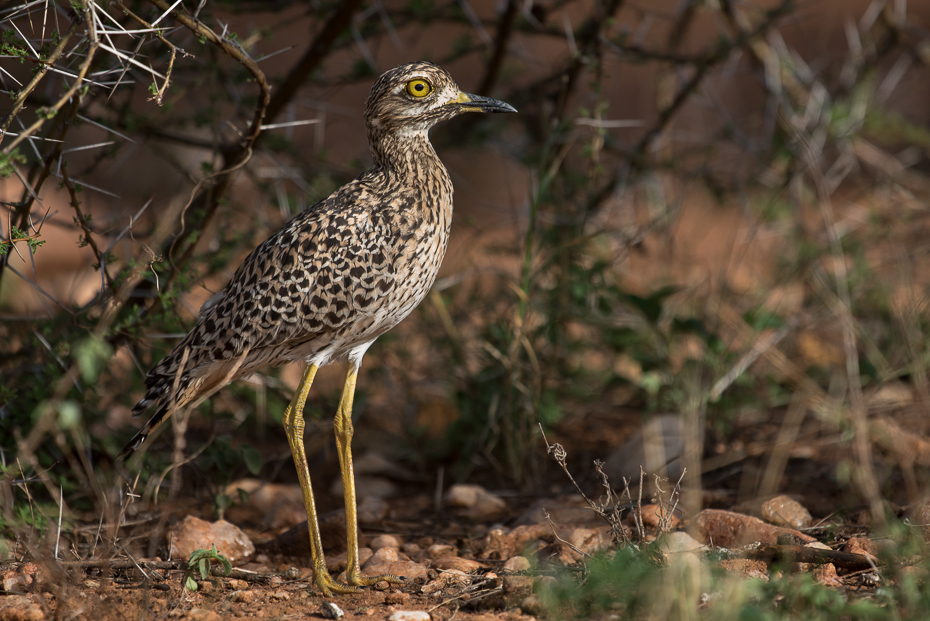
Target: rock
409,615
463,565
861,545
733,530
404,569
199,614
273,505
497,546
652,516
514,583
20,608
194,534
339,562
559,552
474,502
384,556
785,511
657,447
516,564
246,597
826,575
384,541
439,550
523,536
532,606
13,580
372,510
588,540
392,599
280,595
331,611
450,577
678,543
746,568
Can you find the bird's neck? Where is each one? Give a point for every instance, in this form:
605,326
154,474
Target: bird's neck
407,154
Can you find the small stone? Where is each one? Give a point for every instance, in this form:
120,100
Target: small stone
653,515
237,585
463,565
246,597
497,546
385,541
409,615
199,614
383,556
195,534
517,564
92,584
475,502
273,505
332,611
532,606
281,595
20,608
785,511
399,597
826,575
588,540
372,510
403,569
861,545
726,529
438,550
205,586
676,543
517,583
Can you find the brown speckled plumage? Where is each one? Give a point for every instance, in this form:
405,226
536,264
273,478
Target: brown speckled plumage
342,272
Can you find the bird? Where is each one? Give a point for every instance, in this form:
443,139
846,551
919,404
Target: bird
326,285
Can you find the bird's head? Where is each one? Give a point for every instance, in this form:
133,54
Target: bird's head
412,98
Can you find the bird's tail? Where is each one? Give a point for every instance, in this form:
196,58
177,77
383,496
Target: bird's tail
161,415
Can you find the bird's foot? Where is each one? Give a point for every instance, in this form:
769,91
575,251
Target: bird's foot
357,579
328,585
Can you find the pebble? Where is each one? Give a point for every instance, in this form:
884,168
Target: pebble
438,550
726,529
194,534
786,511
517,564
245,597
274,505
385,541
652,516
281,595
372,510
332,611
497,545
463,565
475,502
20,608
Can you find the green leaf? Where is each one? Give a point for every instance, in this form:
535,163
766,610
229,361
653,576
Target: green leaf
253,459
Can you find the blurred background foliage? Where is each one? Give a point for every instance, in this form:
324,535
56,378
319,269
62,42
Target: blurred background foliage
711,208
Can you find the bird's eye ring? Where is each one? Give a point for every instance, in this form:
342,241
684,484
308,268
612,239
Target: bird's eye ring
419,88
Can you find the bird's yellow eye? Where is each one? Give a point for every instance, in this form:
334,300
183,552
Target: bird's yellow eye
419,88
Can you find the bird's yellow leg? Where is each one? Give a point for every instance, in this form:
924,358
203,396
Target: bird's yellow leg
344,431
294,428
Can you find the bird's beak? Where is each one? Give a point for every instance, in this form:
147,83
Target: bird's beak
477,103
